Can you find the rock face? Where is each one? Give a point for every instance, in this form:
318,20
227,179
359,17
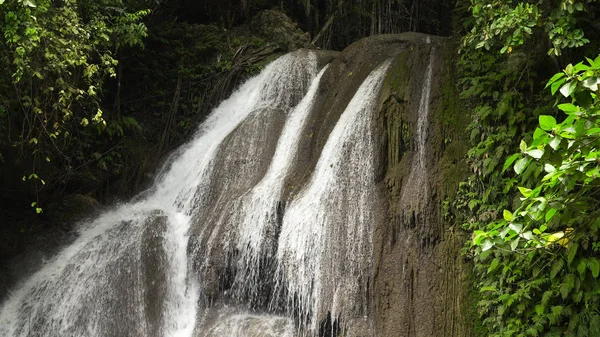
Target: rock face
419,280
277,27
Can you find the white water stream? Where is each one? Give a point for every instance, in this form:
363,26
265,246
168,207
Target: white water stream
324,250
415,193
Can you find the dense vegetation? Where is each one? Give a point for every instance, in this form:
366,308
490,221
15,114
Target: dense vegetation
532,202
56,59
334,24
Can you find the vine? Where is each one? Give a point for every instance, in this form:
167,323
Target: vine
536,272
57,56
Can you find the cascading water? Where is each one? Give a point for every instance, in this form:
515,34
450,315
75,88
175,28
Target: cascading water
127,273
216,229
290,256
415,192
331,220
256,215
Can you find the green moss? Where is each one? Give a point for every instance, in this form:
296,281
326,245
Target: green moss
395,92
449,102
470,307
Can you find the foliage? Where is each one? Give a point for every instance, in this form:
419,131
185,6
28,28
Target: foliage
57,56
339,22
567,153
553,284
510,23
529,284
184,70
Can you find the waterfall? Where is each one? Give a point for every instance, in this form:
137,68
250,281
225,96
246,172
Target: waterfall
324,250
216,247
415,193
127,272
256,211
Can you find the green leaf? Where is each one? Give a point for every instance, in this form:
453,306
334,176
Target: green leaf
487,288
539,309
549,168
556,267
487,245
555,78
508,216
527,235
550,213
504,232
516,227
564,290
521,165
523,146
572,252
554,143
569,69
538,133
515,243
479,235
547,123
591,83
554,237
567,107
536,153
526,192
509,161
493,266
594,266
30,3
592,131
567,89
581,266
595,326
557,85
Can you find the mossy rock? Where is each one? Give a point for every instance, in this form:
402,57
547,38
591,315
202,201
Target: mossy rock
277,27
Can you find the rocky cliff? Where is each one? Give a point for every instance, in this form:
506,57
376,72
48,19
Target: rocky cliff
311,202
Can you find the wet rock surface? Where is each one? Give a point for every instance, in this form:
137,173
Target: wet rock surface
420,285
417,279
355,243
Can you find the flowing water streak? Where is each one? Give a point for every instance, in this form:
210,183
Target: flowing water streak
415,192
257,218
278,87
251,325
324,249
186,177
99,285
